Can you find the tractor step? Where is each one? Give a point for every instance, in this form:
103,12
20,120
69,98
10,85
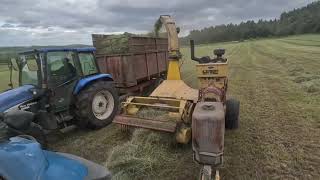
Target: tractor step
166,126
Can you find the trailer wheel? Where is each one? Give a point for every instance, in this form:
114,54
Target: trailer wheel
97,105
232,114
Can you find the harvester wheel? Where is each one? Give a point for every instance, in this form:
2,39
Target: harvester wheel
97,105
232,114
208,173
205,173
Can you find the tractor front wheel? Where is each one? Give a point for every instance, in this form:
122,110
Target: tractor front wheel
232,114
97,105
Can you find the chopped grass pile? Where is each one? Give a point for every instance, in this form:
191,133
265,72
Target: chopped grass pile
159,30
312,86
156,114
157,27
295,70
148,155
305,77
111,44
309,82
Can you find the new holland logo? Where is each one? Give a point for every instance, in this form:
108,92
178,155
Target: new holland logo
27,106
210,71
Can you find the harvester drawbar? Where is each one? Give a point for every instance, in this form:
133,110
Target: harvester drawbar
178,108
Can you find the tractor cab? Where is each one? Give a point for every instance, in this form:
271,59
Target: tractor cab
56,70
51,67
63,87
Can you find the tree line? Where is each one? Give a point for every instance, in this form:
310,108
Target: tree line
5,57
6,53
298,21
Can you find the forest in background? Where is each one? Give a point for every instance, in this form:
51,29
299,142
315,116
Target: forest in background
298,21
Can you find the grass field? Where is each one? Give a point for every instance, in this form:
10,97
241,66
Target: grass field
5,77
278,84
4,74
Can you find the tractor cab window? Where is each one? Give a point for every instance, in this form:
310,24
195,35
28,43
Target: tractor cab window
29,70
61,67
88,64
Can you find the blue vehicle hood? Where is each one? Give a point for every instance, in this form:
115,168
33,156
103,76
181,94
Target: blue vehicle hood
23,159
61,167
15,96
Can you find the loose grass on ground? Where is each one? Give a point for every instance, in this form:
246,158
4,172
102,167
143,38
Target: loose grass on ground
276,82
148,155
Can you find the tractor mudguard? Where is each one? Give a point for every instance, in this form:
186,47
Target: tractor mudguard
82,83
13,97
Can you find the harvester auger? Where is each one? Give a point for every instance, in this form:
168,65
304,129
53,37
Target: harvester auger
206,111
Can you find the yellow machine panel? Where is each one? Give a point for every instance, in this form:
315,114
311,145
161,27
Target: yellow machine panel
176,89
212,74
212,70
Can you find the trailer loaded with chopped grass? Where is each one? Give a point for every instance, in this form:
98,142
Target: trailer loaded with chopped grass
136,63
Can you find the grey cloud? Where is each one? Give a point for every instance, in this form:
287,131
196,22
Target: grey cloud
7,25
110,16
24,38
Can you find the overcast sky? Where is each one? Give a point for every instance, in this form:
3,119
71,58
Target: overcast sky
59,22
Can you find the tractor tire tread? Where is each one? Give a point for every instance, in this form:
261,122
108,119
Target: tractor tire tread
83,110
232,114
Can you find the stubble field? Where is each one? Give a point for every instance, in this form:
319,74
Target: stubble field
278,84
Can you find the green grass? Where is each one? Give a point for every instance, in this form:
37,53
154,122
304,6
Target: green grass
5,78
277,82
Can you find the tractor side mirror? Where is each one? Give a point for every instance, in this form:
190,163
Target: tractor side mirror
32,64
14,64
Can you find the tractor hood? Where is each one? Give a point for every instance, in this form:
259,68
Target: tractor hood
24,159
13,97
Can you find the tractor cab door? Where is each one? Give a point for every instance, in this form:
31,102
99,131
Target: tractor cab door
29,70
88,63
63,73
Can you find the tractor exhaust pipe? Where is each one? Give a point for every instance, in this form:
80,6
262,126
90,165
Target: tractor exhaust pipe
192,51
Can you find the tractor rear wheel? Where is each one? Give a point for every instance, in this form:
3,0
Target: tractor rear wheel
232,114
97,105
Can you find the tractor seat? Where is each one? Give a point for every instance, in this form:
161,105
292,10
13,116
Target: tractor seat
18,119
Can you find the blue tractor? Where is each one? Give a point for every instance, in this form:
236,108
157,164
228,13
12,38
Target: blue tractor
22,157
63,87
